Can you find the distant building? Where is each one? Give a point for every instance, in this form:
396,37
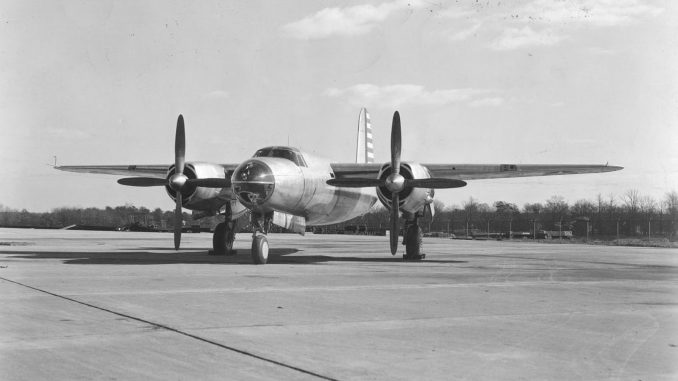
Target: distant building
556,234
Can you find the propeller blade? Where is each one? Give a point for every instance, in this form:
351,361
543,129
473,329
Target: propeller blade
142,182
395,223
355,183
395,143
180,146
435,183
215,182
178,218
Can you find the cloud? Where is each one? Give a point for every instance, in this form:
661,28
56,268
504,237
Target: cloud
466,33
514,38
348,21
535,23
401,94
600,13
490,102
456,13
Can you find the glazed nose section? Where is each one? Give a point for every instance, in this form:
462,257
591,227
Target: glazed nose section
253,183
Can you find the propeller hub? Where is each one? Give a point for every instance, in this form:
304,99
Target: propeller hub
177,181
395,183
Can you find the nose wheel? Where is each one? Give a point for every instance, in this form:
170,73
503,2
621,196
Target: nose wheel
259,249
261,224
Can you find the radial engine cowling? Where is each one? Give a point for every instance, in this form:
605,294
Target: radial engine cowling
194,197
412,200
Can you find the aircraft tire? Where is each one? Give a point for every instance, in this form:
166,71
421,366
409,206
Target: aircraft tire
219,239
413,240
222,240
260,250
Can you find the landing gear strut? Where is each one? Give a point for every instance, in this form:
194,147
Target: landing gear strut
261,226
413,241
224,235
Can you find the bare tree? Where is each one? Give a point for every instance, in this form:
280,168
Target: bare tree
671,207
583,208
631,200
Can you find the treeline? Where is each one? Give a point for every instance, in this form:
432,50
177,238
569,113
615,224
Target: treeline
610,217
628,215
118,217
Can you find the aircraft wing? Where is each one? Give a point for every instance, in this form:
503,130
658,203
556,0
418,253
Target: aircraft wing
159,171
153,170
477,171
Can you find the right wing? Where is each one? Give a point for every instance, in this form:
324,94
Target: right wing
157,171
153,170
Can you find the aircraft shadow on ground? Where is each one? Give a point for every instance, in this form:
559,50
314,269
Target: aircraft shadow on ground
149,256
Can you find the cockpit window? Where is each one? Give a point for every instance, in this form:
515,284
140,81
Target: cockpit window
283,153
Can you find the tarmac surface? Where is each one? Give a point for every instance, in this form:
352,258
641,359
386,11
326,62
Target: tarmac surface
119,305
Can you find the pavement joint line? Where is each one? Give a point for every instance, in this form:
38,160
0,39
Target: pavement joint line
175,330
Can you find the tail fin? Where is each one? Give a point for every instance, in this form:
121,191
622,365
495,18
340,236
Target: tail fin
365,145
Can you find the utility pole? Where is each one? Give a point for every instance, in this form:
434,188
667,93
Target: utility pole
617,230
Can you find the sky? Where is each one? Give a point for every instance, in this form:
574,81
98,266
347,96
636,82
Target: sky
526,82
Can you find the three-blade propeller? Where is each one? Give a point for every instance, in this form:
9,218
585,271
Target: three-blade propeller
395,182
178,181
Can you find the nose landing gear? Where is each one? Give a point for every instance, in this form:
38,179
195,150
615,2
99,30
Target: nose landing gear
261,224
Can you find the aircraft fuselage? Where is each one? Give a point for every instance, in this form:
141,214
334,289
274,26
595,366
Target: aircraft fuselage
266,184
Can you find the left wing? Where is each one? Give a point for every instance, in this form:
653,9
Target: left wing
477,171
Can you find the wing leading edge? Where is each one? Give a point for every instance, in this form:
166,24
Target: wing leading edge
154,170
158,171
478,171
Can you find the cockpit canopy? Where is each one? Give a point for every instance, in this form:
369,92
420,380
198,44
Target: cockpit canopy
289,153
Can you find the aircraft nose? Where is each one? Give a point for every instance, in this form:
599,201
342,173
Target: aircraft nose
253,183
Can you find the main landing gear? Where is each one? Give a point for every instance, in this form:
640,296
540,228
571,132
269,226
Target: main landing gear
412,240
222,240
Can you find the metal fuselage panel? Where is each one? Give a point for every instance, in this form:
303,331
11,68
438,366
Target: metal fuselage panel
303,191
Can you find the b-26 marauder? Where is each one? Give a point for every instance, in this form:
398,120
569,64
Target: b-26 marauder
293,189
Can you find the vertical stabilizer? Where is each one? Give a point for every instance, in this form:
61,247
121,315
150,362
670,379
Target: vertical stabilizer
365,145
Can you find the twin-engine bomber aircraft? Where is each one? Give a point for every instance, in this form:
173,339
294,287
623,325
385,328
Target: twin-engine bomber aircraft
292,189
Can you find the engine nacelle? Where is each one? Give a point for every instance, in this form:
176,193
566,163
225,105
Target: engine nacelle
198,197
412,200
